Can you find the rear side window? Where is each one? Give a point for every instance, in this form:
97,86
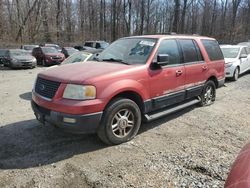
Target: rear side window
213,49
243,51
170,47
191,52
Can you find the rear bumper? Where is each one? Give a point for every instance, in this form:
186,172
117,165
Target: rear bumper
86,123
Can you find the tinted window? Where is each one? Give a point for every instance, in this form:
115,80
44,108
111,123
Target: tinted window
89,44
170,47
98,45
213,49
189,51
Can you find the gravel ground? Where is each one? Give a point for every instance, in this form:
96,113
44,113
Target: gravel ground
192,148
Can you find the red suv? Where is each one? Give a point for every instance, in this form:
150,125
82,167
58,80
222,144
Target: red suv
134,79
48,56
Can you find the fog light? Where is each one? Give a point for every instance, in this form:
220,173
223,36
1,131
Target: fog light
69,120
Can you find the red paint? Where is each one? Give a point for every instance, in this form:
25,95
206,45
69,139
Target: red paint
239,176
111,79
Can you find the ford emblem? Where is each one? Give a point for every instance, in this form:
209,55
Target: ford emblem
42,87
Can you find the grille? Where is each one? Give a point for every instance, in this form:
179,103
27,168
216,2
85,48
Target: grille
56,58
46,88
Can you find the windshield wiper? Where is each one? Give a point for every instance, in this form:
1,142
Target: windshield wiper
116,60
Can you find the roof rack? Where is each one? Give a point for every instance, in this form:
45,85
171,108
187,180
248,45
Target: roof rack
173,33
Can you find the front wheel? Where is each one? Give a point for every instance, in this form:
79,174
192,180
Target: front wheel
208,93
236,74
121,122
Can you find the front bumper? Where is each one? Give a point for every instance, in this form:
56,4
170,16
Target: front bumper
229,71
24,64
87,123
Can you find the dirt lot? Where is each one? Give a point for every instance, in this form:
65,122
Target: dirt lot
192,148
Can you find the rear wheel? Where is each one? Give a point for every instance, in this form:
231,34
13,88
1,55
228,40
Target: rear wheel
121,122
236,74
208,93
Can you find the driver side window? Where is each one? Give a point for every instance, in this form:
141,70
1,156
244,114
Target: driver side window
169,47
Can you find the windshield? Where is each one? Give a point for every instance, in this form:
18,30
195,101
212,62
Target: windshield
71,50
230,52
2,52
104,45
19,53
47,50
29,47
76,57
128,50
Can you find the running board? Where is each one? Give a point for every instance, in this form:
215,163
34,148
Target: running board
153,116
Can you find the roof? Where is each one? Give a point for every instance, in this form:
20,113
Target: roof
171,36
232,46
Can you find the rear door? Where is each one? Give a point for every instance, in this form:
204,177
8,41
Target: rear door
167,82
195,67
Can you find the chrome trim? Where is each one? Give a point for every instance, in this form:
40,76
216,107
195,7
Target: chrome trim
45,98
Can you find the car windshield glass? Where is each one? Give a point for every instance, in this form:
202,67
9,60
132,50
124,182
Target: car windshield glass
128,50
230,52
76,57
71,50
19,53
2,52
29,47
49,50
104,45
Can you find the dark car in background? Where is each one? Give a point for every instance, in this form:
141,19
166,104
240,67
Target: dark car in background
48,56
82,48
67,51
29,47
18,58
2,55
96,44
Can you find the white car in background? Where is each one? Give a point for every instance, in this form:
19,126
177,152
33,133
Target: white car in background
237,60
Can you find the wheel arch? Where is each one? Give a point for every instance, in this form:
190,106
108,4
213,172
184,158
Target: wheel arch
214,79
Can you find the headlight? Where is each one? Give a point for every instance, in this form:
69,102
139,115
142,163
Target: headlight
34,60
14,60
228,65
79,92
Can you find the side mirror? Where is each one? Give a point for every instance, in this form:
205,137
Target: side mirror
162,59
242,56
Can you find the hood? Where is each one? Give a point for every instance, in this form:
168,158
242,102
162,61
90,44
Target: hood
80,73
230,60
24,58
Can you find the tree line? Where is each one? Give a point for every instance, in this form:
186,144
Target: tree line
74,21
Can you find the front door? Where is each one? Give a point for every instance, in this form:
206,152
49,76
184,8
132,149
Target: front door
244,60
167,82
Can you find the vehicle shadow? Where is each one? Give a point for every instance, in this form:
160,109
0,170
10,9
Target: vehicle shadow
26,96
29,144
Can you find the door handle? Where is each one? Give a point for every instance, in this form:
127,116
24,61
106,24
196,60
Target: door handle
178,72
204,67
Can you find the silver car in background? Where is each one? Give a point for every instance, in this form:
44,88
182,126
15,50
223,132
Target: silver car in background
17,58
237,60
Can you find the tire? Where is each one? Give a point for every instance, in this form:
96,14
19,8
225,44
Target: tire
125,116
44,63
208,94
236,74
